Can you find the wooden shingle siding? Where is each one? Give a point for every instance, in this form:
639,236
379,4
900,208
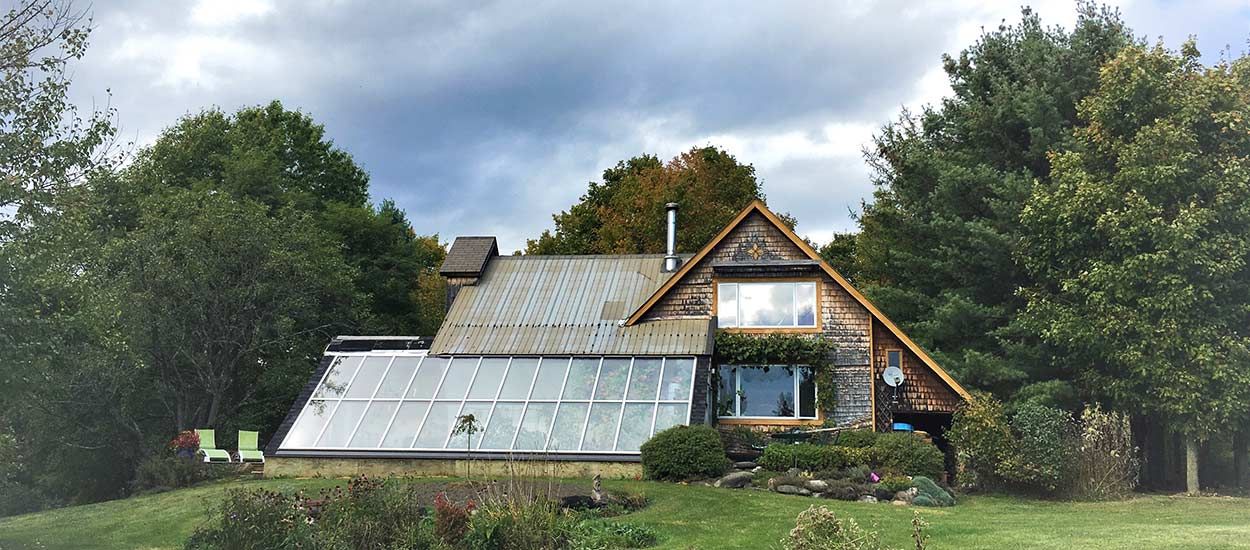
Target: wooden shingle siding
922,391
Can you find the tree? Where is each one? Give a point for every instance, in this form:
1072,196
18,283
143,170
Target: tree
938,243
1139,248
625,213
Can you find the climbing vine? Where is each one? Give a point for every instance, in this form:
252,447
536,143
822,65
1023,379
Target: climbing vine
736,348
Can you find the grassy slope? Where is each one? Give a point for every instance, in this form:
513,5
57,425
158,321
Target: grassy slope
702,517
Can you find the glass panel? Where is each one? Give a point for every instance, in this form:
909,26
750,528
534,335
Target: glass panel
456,383
366,381
727,305
677,380
644,380
533,434
339,430
669,415
304,432
635,426
340,374
404,428
807,393
766,304
437,426
766,393
805,294
480,412
727,393
503,424
397,378
567,432
520,377
428,375
601,428
550,378
489,375
581,378
612,379
372,427
894,359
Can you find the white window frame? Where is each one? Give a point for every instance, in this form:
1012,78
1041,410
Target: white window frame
733,371
794,296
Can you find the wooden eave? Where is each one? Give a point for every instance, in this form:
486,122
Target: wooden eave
759,206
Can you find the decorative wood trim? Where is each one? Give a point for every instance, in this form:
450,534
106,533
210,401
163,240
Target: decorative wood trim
758,206
872,375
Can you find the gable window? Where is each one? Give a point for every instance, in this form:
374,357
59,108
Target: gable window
780,304
767,392
894,358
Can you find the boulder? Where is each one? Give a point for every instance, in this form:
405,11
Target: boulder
794,472
817,486
898,503
757,469
867,498
792,490
906,496
735,480
744,465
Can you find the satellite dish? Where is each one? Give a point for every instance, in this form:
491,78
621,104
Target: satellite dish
893,377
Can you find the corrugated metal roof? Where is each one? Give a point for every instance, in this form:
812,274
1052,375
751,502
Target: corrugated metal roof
551,305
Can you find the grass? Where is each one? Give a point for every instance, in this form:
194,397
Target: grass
703,517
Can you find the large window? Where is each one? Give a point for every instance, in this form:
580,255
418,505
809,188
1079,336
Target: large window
767,392
784,304
397,400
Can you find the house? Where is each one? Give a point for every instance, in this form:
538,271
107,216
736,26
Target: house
578,360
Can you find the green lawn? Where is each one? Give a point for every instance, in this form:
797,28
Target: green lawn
703,517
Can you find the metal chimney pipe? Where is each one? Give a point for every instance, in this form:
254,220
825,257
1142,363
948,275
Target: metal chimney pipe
671,261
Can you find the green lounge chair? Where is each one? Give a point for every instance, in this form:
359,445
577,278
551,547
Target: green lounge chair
208,448
248,450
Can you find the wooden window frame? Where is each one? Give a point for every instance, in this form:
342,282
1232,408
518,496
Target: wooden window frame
771,420
819,282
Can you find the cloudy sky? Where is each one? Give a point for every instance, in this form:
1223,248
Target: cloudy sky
486,117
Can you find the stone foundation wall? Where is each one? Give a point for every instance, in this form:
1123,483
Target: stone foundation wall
348,467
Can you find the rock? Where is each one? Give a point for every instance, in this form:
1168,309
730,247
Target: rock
792,490
898,503
757,469
772,484
817,486
736,480
867,498
744,465
906,496
596,490
794,472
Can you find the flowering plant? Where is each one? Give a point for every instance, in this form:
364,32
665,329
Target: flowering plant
185,440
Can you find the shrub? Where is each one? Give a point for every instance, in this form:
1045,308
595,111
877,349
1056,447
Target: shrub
684,452
605,535
257,520
930,494
841,489
894,484
809,457
906,453
372,513
451,520
507,524
818,528
1043,454
18,498
163,471
1107,466
857,438
981,436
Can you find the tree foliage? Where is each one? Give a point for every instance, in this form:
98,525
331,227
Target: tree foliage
625,213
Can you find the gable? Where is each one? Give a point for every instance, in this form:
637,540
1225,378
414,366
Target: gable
758,233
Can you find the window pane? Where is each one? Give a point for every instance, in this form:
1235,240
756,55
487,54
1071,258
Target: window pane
635,426
727,393
335,384
766,304
339,430
766,393
367,379
612,379
480,412
550,378
489,375
503,424
807,393
677,380
669,415
428,375
581,379
806,307
304,433
456,383
369,434
727,305
533,434
601,428
520,377
397,378
645,379
404,428
567,432
437,426
894,359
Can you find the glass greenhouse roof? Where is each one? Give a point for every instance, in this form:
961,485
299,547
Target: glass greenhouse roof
408,401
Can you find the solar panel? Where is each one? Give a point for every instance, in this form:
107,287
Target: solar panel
404,400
